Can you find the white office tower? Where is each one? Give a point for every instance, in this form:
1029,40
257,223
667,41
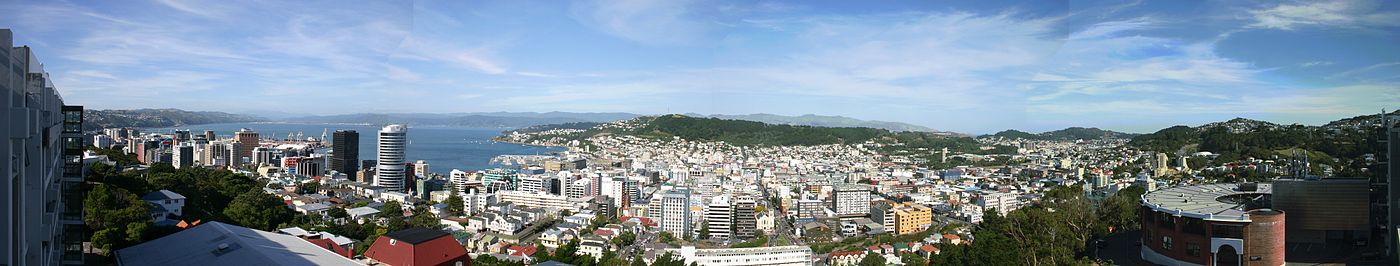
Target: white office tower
263,155
851,200
578,189
458,178
421,168
389,174
719,216
182,157
102,141
675,212
531,183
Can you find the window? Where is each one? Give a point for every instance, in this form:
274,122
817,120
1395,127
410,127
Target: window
1193,249
1167,242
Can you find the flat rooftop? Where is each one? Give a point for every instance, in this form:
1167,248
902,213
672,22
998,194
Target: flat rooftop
1210,202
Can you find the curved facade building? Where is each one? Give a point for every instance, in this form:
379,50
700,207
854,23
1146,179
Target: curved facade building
1217,224
389,174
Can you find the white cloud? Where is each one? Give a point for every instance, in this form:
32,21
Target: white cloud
645,21
1335,13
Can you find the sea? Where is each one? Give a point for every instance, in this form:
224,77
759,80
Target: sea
443,148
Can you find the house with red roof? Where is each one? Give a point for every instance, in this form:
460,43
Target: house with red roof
522,251
927,251
417,247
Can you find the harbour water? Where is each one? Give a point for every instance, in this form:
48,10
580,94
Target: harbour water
444,148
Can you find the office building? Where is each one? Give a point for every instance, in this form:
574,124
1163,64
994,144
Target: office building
459,179
851,200
310,166
500,179
345,152
182,157
42,207
390,174
421,168
249,140
745,218
719,217
1002,202
912,218
675,212
209,135
263,156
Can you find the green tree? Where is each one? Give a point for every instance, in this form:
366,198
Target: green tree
309,187
872,259
704,230
137,232
258,210
338,213
455,204
624,239
912,259
107,240
423,218
391,209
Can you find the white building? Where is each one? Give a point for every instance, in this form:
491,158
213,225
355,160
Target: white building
1003,202
851,200
761,256
531,184
182,156
459,179
165,203
537,200
675,212
719,217
390,171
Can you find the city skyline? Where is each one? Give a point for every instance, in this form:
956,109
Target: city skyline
964,67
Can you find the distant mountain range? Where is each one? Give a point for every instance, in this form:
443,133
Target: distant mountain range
494,119
99,119
1072,133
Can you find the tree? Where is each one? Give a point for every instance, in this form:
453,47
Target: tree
107,240
338,213
911,259
255,209
310,187
392,210
872,259
455,204
704,230
138,231
423,218
666,237
624,239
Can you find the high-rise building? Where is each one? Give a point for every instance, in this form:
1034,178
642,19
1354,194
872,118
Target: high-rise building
745,218
249,139
345,152
851,199
912,217
459,179
719,217
209,135
310,166
42,203
389,174
500,179
421,168
262,155
234,151
182,157
179,137
675,212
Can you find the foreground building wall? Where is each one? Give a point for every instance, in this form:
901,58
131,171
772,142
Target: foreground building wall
41,211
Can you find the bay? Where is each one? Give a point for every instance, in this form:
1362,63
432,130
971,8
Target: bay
443,148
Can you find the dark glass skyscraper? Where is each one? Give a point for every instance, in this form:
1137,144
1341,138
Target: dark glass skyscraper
345,152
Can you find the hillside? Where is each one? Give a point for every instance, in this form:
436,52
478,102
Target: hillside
1072,133
823,121
99,119
1344,141
745,133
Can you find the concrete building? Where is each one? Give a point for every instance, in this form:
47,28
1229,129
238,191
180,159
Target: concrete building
719,217
1215,224
760,256
345,152
1002,202
851,199
537,200
912,218
675,212
745,218
249,140
42,203
182,156
390,174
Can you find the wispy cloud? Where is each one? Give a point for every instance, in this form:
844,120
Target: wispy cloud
1333,13
645,21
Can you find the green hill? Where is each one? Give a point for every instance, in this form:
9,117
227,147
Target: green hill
746,133
1072,133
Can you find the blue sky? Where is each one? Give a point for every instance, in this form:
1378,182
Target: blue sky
953,65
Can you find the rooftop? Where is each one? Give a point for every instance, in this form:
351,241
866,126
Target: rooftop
162,195
416,235
1211,202
216,243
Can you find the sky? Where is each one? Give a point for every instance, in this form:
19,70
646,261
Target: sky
965,66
